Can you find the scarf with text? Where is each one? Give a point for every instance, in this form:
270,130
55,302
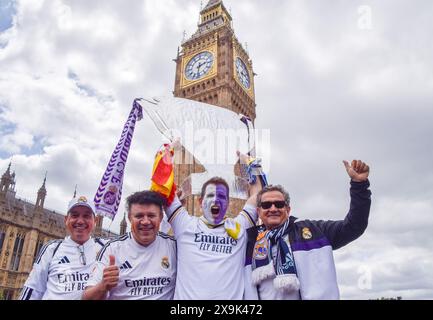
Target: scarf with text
109,193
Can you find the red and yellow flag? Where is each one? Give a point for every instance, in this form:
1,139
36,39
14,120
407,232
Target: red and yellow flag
162,180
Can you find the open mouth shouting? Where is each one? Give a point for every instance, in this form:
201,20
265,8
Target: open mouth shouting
215,210
216,214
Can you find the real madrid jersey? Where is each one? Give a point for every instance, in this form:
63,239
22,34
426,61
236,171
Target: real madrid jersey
210,262
61,270
144,272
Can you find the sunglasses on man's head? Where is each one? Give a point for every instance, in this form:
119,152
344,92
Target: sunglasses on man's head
277,204
82,255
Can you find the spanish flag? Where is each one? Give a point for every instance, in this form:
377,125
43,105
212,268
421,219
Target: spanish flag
162,180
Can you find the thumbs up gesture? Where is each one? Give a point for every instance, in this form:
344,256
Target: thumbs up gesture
110,277
358,171
112,260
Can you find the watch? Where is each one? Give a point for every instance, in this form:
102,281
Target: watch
243,74
199,65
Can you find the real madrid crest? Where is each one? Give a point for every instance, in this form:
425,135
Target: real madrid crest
306,233
82,199
261,249
110,195
165,263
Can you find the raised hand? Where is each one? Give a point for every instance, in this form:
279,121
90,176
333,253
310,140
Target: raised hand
181,196
176,144
243,158
358,171
110,277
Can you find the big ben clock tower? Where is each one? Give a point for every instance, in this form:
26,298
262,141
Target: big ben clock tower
213,67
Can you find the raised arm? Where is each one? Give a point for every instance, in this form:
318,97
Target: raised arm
341,232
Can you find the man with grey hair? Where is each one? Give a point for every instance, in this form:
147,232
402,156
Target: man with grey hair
290,259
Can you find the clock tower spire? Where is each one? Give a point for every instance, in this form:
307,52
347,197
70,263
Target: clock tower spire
213,67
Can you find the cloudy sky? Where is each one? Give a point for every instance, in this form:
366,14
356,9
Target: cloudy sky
336,80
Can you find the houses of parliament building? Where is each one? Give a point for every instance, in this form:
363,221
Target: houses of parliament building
24,228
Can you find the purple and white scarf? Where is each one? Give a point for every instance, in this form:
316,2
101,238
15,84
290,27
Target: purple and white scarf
109,193
280,268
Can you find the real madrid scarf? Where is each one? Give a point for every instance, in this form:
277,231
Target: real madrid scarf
109,193
282,268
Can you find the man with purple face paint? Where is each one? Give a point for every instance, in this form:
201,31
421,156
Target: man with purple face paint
211,248
214,202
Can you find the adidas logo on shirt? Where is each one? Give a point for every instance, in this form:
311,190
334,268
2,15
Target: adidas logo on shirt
125,265
64,260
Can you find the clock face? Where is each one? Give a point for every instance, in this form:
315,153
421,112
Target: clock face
242,71
199,65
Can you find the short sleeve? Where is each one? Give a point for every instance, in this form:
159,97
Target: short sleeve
248,216
178,217
36,284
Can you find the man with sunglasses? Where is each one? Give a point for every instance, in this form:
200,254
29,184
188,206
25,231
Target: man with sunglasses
291,259
63,266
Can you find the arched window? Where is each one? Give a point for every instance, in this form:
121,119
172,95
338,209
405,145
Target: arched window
8,294
16,254
2,236
38,248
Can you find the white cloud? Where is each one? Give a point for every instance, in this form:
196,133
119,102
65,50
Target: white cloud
12,142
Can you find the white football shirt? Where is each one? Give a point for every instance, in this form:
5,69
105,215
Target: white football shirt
61,270
145,272
210,262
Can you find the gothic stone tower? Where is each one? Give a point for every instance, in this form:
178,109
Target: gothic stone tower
213,67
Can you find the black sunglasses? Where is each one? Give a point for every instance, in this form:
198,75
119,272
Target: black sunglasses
277,204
